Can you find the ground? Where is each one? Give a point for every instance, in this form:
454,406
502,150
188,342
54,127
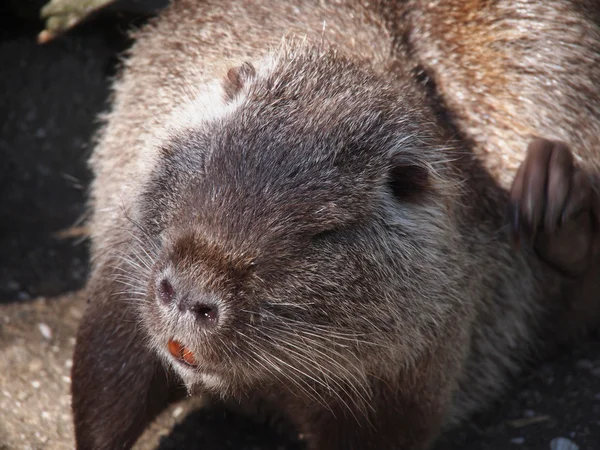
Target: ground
49,98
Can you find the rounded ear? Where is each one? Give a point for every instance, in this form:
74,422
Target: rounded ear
407,180
236,79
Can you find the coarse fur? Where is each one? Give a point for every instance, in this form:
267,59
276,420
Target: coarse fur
327,182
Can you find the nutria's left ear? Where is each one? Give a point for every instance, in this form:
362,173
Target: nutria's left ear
407,179
236,79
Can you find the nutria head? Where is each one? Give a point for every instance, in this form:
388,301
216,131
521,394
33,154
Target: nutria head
297,229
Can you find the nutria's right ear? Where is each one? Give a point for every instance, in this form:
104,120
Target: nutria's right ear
118,385
236,79
407,180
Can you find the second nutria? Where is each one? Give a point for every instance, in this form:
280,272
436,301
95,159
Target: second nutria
303,203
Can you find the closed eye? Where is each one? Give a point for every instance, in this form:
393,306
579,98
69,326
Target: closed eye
324,235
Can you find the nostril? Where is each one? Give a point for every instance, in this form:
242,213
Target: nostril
207,314
166,292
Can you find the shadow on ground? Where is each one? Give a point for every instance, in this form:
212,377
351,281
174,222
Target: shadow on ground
49,98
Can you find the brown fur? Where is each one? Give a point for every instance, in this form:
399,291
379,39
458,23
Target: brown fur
337,193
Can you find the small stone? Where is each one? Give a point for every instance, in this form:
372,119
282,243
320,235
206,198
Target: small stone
45,415
69,363
562,443
66,379
43,170
42,439
76,313
36,384
45,330
35,365
177,412
518,440
584,364
6,394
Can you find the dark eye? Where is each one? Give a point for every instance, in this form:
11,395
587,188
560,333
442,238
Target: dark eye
324,235
407,180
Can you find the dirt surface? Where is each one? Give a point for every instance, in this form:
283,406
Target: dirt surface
49,98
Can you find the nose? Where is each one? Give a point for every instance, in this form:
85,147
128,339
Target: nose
204,307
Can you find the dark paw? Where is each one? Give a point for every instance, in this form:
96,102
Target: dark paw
554,207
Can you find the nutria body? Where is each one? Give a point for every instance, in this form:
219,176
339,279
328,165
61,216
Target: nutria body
305,203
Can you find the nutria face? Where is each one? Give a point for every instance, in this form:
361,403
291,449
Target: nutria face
301,237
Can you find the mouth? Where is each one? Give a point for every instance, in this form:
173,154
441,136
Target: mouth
182,354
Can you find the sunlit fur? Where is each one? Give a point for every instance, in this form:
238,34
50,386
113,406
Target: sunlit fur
342,203
325,332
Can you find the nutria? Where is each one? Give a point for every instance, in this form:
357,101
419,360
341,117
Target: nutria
367,216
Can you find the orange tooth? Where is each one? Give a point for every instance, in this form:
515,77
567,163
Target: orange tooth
188,356
181,352
175,348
